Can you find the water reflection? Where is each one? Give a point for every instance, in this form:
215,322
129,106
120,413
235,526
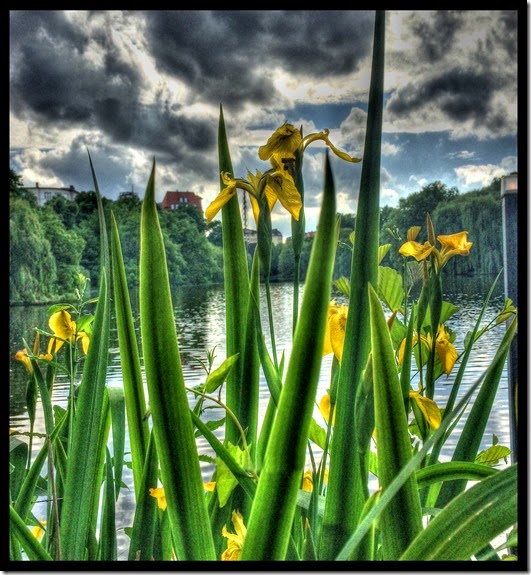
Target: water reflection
200,323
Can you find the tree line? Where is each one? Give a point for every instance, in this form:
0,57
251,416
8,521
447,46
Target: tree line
51,245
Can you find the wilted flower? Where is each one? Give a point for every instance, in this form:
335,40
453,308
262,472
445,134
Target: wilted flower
235,541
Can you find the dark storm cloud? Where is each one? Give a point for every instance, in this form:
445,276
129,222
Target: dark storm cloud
154,127
226,55
460,94
436,36
223,57
52,81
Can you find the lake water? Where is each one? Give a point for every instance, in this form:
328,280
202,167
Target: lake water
200,322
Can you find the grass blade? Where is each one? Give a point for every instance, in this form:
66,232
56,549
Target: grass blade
236,279
81,483
470,438
172,424
345,499
401,521
34,550
274,505
130,361
470,521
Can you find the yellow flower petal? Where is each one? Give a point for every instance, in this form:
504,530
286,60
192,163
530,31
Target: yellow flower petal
337,324
455,242
235,541
324,137
270,193
209,485
412,233
285,140
54,345
85,341
416,250
282,185
445,350
324,408
428,407
37,530
62,325
454,245
335,330
23,357
223,197
158,493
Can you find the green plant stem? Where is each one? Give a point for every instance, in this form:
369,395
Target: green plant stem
271,323
296,284
230,413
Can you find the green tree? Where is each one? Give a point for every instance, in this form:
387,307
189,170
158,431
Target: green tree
67,247
17,190
214,233
65,209
32,267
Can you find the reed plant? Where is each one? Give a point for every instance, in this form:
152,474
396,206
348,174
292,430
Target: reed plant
381,419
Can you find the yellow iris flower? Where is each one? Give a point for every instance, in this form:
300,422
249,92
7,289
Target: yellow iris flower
444,348
336,324
287,139
280,151
278,185
158,493
235,540
64,329
452,245
24,357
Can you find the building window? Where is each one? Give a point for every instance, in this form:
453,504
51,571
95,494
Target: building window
183,200
47,196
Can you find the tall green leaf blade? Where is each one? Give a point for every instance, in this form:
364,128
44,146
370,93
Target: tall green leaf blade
172,424
135,400
144,522
274,505
402,519
108,550
346,493
34,550
117,406
236,279
366,523
82,483
470,439
470,521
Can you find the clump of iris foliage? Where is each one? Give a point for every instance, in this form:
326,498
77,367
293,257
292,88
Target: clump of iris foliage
263,501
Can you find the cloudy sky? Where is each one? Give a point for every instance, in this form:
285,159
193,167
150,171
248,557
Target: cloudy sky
133,86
